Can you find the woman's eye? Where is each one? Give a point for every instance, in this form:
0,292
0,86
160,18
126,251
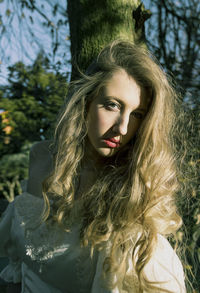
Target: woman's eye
138,115
112,106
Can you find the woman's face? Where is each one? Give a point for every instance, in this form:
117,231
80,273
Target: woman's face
115,114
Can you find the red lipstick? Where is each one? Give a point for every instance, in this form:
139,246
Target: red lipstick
112,142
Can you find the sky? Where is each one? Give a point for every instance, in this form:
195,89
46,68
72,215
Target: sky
16,42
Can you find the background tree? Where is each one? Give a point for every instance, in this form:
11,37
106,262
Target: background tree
174,37
100,22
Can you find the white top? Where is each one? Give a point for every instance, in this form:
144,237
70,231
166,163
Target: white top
48,259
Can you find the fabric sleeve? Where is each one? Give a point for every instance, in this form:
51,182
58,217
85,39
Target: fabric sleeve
5,227
12,272
165,267
97,286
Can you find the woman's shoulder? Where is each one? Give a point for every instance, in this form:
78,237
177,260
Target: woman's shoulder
41,148
165,254
25,209
25,202
165,267
40,166
28,209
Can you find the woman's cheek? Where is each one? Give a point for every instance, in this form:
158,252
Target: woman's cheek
105,120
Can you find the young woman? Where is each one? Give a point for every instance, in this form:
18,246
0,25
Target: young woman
100,198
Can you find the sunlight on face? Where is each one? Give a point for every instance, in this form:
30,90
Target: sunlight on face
115,115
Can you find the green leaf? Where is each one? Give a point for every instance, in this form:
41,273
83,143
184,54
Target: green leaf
8,12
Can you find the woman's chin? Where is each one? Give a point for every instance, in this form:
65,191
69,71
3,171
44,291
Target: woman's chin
107,152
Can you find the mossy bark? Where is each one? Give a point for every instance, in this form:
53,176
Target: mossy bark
95,23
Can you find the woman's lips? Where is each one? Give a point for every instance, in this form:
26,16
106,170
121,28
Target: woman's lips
116,140
112,142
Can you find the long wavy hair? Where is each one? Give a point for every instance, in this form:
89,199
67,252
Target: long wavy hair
133,197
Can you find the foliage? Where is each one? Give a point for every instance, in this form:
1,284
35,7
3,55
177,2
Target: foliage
13,169
189,199
173,36
30,103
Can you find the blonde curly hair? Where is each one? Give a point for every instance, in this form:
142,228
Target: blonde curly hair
133,197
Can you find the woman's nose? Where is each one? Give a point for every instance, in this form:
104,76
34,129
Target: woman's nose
121,125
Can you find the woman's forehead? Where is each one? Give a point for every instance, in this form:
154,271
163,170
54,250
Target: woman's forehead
124,87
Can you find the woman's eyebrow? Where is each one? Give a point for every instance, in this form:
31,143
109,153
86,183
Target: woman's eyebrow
122,103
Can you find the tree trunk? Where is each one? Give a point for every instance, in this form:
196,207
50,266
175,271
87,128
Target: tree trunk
95,23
